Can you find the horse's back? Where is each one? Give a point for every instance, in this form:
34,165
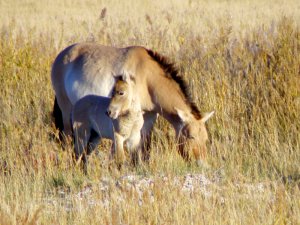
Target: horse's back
85,69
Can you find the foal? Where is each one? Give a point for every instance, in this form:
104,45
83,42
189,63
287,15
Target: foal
119,119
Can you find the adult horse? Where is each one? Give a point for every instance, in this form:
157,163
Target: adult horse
90,69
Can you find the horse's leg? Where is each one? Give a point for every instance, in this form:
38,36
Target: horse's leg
65,107
149,121
67,122
119,149
62,105
81,137
133,142
112,150
93,141
58,119
133,145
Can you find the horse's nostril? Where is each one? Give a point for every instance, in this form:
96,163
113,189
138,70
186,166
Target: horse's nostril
108,112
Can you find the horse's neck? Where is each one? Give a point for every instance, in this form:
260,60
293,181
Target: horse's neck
167,98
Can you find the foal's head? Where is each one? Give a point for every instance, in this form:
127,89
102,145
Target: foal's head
121,100
193,135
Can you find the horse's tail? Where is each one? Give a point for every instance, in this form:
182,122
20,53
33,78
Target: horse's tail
58,119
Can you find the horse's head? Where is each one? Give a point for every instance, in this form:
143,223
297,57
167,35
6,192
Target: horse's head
121,98
193,135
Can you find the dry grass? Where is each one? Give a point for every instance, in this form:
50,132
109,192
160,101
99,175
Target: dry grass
241,58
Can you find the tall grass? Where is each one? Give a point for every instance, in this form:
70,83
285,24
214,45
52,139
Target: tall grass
240,58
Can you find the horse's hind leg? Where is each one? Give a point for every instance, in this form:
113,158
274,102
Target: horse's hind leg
67,122
58,119
149,121
64,114
62,108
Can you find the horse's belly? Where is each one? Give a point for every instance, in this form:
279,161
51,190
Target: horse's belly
78,85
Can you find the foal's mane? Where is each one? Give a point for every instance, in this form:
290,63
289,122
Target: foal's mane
172,72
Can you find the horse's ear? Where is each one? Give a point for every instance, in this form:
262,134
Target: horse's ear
185,117
207,116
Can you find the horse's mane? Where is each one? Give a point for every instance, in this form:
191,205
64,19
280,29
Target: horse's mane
172,72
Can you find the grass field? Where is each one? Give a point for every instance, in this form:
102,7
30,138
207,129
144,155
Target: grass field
240,58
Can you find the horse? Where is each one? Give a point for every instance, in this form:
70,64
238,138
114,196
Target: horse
88,68
119,119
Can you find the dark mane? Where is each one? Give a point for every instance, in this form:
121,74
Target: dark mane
172,72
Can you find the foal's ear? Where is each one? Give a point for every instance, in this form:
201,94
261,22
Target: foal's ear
185,117
122,77
207,116
125,77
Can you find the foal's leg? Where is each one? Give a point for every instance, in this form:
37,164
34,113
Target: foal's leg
92,144
133,142
93,141
81,137
133,145
149,121
119,149
80,141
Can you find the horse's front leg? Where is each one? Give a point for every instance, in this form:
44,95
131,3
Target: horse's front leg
133,144
118,152
149,121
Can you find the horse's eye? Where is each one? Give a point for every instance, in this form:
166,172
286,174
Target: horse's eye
120,93
191,137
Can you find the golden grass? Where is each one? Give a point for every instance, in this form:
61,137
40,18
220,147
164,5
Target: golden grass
241,59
